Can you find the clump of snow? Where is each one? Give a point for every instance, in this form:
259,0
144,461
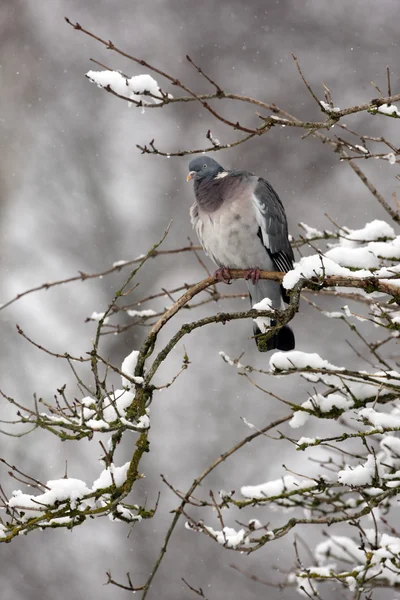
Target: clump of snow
372,231
349,389
230,361
141,313
391,158
57,521
361,474
69,490
339,547
276,118
363,390
249,425
95,316
327,403
255,524
300,418
391,110
88,401
378,419
303,585
307,585
358,258
119,263
389,249
87,413
318,266
97,424
128,368
356,248
328,107
288,483
392,273
226,358
350,253
125,513
362,149
322,403
228,537
115,406
58,418
263,322
142,423
116,403
224,495
395,317
134,88
311,232
59,490
332,314
372,560
390,446
348,313
111,475
308,440
294,359
264,304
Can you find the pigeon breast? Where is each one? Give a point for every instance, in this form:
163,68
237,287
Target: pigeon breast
224,219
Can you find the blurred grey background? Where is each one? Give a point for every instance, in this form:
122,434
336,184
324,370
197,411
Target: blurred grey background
76,195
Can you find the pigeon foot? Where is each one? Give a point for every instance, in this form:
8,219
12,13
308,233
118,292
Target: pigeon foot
254,275
223,274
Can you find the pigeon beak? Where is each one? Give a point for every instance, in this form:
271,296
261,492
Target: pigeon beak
191,175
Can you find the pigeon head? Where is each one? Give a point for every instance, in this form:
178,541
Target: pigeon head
203,166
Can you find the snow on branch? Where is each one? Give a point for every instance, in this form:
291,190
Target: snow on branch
139,89
276,116
349,413
68,502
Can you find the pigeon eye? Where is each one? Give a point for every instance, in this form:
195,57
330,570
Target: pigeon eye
204,166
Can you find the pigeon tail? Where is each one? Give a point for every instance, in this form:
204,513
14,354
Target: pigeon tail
284,338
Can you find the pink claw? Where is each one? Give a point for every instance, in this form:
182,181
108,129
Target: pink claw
223,274
254,275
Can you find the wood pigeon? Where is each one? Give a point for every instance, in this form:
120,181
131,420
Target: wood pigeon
241,224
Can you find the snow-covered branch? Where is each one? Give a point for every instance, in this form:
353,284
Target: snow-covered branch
343,417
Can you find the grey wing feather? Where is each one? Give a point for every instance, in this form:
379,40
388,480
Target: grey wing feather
273,231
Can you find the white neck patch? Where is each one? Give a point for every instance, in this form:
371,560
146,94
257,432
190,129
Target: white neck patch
221,175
